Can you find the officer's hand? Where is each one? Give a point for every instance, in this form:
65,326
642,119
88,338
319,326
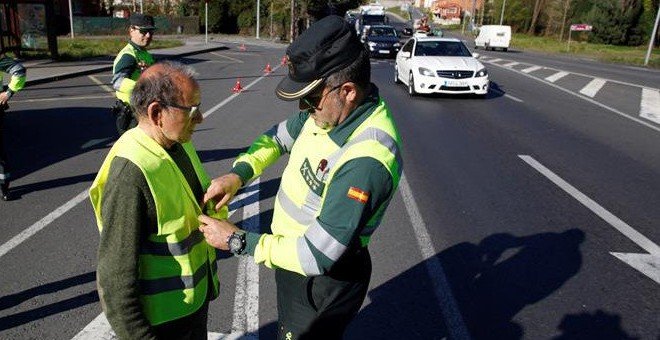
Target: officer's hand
4,98
223,189
216,232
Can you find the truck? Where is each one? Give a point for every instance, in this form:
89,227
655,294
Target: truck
493,36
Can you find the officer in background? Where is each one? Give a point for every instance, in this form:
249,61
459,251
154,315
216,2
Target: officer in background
128,65
17,81
344,167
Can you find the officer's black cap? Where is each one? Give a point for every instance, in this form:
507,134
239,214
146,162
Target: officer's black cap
142,21
326,47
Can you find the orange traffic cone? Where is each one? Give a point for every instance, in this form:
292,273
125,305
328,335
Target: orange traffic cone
237,87
268,69
284,60
242,48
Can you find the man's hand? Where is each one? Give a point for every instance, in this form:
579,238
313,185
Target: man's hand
223,189
216,232
4,98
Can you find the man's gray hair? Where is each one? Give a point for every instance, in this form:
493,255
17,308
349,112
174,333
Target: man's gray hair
160,87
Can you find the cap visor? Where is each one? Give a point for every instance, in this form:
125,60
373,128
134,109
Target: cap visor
289,89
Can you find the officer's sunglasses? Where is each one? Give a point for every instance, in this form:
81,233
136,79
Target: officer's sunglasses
144,31
314,101
192,110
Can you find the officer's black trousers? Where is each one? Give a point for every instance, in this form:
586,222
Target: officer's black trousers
4,167
321,307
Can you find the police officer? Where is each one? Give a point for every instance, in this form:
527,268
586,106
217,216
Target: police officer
17,81
343,169
128,65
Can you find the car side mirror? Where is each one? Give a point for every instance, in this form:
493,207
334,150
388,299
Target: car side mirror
405,54
476,55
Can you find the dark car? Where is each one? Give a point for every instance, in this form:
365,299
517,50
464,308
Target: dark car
382,41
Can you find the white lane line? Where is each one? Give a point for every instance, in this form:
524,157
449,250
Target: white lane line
513,98
53,99
596,208
532,69
100,83
42,223
246,299
627,116
591,89
650,105
553,78
230,98
511,64
453,319
493,61
227,57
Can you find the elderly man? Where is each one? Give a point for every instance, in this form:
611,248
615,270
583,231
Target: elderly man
156,273
344,167
128,65
16,83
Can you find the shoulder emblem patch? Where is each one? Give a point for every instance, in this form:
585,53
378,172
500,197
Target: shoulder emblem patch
358,194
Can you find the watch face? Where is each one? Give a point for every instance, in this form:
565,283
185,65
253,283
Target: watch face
234,243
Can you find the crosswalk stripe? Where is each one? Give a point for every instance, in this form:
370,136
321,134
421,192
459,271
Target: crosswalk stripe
493,61
650,105
532,69
591,89
511,64
553,78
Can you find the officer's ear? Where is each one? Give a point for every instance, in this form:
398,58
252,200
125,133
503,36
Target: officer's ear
155,113
349,90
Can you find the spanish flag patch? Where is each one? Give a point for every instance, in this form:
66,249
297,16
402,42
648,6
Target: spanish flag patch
358,194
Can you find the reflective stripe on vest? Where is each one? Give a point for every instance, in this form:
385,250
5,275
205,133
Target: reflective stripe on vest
174,262
297,205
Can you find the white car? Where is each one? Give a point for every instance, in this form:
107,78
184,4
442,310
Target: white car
439,65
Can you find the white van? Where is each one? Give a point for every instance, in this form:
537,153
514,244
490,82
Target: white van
493,36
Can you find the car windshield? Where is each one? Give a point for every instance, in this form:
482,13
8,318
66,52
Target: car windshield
382,32
441,49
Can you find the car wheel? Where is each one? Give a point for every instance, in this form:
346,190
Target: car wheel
505,49
411,85
396,74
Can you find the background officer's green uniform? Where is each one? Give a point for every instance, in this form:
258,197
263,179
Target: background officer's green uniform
17,82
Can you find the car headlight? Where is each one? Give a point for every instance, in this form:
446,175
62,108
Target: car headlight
396,44
481,73
426,72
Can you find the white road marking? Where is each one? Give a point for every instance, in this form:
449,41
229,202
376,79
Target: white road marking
227,57
100,83
453,319
513,98
493,61
591,89
553,78
53,99
532,69
646,263
633,118
42,223
650,105
246,300
511,64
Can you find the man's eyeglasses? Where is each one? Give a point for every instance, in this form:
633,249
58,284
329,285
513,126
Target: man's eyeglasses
313,101
192,110
144,31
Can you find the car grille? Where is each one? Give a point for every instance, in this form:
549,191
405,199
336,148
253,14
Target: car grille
384,45
455,74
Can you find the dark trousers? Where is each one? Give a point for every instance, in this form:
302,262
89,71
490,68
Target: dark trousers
191,327
321,307
4,167
124,116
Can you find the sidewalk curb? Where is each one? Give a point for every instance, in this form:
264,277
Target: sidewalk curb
98,69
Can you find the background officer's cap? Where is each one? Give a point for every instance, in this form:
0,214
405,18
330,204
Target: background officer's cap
326,47
142,21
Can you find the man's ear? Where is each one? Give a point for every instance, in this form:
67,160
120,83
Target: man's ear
351,92
155,113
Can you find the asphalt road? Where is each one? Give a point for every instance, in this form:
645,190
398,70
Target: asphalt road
481,238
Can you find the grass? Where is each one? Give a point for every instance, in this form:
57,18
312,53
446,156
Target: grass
397,10
87,48
630,55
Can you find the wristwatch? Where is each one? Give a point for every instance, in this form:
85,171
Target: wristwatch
236,242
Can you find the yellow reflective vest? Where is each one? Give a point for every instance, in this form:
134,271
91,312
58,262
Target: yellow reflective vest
302,190
175,261
127,84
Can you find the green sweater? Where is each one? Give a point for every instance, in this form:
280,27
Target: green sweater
129,216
